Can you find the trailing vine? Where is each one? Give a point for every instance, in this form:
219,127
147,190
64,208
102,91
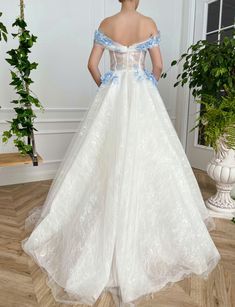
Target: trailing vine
22,124
3,30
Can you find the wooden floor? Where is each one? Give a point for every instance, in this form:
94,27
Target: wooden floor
22,283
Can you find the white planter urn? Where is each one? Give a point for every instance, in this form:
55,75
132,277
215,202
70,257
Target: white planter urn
222,170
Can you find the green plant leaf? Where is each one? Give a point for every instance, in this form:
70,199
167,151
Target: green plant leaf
3,28
20,23
176,83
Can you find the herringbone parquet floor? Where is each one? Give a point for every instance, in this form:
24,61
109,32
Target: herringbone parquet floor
23,284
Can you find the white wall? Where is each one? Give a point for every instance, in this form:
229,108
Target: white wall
63,84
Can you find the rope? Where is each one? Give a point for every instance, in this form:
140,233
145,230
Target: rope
22,9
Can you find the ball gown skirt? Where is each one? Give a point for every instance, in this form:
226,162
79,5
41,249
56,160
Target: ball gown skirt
124,212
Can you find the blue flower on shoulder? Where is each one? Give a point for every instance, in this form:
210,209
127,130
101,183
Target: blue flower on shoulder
109,76
153,41
102,39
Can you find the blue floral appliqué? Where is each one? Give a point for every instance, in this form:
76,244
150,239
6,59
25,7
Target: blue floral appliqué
145,74
102,39
153,41
150,76
108,77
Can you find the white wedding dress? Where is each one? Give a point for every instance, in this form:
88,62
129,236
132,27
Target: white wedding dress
124,212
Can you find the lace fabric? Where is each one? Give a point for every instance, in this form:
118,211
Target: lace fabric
124,197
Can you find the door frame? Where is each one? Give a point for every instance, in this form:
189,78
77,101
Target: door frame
183,93
186,111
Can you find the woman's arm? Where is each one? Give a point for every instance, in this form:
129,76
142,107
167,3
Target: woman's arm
155,54
156,58
93,62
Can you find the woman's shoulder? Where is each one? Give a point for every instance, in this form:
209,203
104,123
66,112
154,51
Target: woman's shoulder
151,24
146,22
108,20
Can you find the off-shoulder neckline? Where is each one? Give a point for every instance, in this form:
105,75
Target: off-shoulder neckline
132,45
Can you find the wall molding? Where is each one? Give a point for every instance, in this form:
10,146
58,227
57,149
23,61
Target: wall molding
60,131
50,109
51,120
52,161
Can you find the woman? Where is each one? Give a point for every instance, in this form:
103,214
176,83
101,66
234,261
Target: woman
139,28
124,213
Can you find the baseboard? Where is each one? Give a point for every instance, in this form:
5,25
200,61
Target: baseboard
28,173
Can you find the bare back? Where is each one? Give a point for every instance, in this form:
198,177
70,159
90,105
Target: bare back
128,28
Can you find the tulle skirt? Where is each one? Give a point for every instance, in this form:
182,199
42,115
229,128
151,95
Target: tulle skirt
124,212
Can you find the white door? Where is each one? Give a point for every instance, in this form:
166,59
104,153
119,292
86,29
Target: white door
211,16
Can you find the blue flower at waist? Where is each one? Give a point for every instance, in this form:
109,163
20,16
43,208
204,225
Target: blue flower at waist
150,76
109,76
142,74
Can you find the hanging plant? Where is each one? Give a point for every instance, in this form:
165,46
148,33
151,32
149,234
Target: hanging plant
22,124
3,30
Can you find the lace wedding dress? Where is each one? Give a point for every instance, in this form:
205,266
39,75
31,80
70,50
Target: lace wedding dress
124,212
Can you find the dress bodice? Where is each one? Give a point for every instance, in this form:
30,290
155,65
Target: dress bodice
123,58
126,57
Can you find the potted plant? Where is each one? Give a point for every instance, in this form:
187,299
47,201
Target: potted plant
209,70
